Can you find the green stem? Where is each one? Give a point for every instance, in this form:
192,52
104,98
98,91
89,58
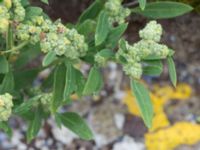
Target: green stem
16,48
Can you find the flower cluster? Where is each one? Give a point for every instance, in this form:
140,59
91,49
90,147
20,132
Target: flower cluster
53,37
6,105
4,16
117,13
100,59
19,11
147,46
45,100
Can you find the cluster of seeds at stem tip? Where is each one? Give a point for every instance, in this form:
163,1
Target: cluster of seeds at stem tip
4,15
117,13
148,45
53,37
6,105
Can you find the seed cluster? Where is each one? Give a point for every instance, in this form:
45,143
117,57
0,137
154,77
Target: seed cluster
148,45
6,105
4,16
53,37
117,13
45,100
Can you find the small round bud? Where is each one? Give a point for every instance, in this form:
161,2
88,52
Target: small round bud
6,105
152,31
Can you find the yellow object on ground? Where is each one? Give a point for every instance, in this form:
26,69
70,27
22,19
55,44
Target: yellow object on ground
170,138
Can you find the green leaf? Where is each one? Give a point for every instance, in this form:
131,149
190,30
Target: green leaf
153,68
76,124
142,4
115,35
106,53
92,11
58,87
172,70
34,125
70,80
102,28
94,82
26,106
163,10
32,11
45,1
25,78
6,128
7,83
80,82
27,54
143,101
9,37
4,66
49,58
87,28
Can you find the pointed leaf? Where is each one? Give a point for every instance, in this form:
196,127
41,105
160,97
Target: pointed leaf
76,124
92,11
4,66
162,10
102,28
94,82
34,125
142,4
172,70
143,101
49,58
58,87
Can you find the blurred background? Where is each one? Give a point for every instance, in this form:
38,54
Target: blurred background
113,115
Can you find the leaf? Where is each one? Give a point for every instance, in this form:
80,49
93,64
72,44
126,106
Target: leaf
143,101
58,87
115,35
94,82
70,80
6,128
49,58
142,4
106,53
27,54
7,85
45,1
87,28
9,37
26,106
32,11
172,70
4,66
153,68
92,11
80,82
34,125
163,10
76,124
102,28
25,78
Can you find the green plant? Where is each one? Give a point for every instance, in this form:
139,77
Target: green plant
26,32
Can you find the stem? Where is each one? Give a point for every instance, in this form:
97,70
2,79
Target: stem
16,48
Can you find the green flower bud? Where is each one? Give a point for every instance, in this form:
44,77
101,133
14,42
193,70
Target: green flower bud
152,31
101,61
45,100
133,69
116,12
19,11
6,105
